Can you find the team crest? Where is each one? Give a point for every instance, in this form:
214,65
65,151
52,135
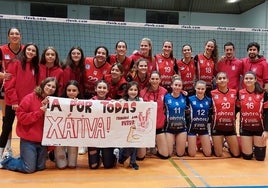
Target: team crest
87,66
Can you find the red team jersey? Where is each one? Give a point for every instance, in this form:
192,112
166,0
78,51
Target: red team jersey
224,110
188,75
127,63
92,75
233,68
8,54
151,63
205,69
251,110
116,91
165,66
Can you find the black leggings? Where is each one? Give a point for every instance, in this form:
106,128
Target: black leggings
107,156
7,125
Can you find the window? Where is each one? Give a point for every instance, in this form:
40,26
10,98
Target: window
48,10
162,17
108,14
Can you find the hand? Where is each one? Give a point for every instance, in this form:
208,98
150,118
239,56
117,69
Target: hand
14,107
265,135
44,104
7,76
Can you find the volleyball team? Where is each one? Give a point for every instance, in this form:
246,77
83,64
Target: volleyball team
201,100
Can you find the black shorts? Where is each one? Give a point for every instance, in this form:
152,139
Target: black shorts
244,132
160,131
200,133
222,133
172,131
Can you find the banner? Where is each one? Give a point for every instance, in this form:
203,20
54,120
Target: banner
99,123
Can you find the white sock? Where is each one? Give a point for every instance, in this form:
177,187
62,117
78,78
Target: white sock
8,145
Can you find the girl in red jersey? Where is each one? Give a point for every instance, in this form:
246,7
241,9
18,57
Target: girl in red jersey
140,74
224,115
166,64
205,64
107,154
50,67
187,69
95,68
30,114
146,51
120,57
117,82
74,67
253,128
8,52
71,91
155,92
24,70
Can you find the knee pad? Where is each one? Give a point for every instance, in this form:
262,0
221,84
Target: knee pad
247,156
259,153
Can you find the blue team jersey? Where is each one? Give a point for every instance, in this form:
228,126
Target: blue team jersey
199,112
175,112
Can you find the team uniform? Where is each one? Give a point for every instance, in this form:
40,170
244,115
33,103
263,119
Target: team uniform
167,67
6,54
151,63
259,67
200,111
55,71
92,75
252,112
127,63
233,68
117,90
134,77
175,112
158,97
224,112
205,71
188,75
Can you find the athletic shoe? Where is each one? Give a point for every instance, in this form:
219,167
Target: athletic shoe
82,150
134,166
8,153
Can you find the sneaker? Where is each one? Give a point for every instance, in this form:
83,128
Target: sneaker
8,153
135,166
82,150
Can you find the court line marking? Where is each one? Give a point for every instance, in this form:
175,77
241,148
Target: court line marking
187,179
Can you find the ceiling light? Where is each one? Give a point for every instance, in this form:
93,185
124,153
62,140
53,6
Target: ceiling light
232,1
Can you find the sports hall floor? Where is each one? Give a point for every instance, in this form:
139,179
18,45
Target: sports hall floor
153,173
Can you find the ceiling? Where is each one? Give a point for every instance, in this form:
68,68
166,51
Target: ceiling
207,6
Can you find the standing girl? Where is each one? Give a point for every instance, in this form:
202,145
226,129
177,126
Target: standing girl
8,52
187,70
205,64
146,52
95,68
50,67
175,103
253,128
120,57
200,111
71,91
224,115
154,92
30,114
166,64
95,155
132,94
24,69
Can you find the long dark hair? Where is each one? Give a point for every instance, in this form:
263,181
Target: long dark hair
74,83
34,63
129,85
258,88
43,56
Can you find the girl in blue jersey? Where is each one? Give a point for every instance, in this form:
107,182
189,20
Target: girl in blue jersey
200,111
175,103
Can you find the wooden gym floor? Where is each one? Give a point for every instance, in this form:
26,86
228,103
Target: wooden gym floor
175,172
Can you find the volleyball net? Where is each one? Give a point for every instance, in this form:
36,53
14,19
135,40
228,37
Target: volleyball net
63,33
